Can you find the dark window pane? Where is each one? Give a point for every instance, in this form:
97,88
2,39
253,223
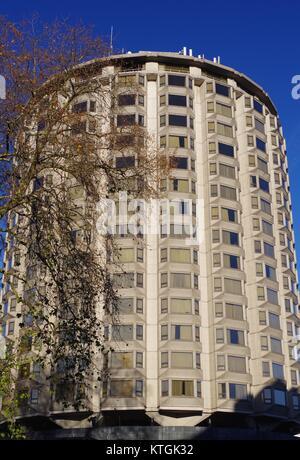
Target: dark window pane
222,89
125,162
176,80
177,120
125,120
261,145
263,184
81,107
227,150
179,163
126,99
257,106
177,100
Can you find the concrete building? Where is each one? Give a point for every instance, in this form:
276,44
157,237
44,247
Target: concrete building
208,327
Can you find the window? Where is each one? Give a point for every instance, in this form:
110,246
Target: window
139,279
126,99
182,388
230,238
237,364
224,130
225,149
126,255
221,390
277,370
227,171
267,228
181,280
219,335
237,391
126,80
234,311
80,107
224,110
177,120
267,395
257,106
122,332
229,215
272,296
139,305
180,255
181,306
123,280
180,185
121,388
11,327
162,120
181,360
140,255
164,359
263,165
139,386
231,261
235,337
266,369
178,142
139,332
260,145
274,321
164,332
259,125
264,185
270,273
228,193
125,120
122,360
279,397
176,80
265,206
177,100
222,90
125,305
125,162
181,332
164,387
179,162
269,250
275,345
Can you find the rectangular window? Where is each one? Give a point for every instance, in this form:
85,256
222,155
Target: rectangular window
224,130
181,306
164,332
237,391
224,110
260,145
229,215
182,388
264,185
235,337
177,120
267,228
177,100
265,206
125,162
231,261
228,193
181,332
126,120
272,296
180,280
179,162
126,255
222,90
259,125
180,255
176,80
123,280
225,149
139,387
122,360
139,332
237,364
275,345
230,238
165,388
257,106
181,360
122,332
121,388
226,171
178,142
234,311
277,370
126,99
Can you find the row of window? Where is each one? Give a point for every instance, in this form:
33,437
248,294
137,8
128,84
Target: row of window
176,120
176,142
179,280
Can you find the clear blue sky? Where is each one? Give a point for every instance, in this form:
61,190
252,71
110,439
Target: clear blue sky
259,38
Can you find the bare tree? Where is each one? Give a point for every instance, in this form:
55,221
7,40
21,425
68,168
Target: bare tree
59,141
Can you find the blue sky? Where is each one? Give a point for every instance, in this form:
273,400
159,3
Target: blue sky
259,38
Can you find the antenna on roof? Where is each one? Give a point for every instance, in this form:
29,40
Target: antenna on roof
111,39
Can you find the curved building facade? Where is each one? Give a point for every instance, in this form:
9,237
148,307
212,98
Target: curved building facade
208,325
